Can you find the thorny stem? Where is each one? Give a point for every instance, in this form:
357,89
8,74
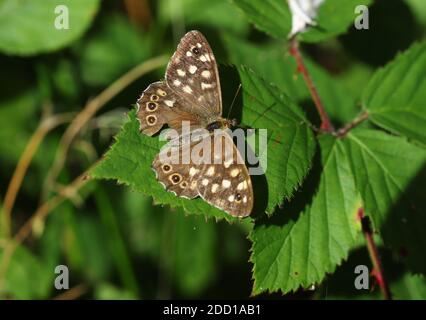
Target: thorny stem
139,12
69,191
73,293
31,148
327,126
43,210
377,272
41,213
358,120
325,120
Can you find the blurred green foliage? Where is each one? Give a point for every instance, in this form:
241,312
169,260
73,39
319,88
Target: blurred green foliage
118,244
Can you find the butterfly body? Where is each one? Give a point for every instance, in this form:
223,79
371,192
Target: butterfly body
191,95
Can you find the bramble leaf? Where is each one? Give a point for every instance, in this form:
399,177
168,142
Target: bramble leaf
298,247
273,62
197,13
101,60
129,160
396,95
274,18
390,173
291,143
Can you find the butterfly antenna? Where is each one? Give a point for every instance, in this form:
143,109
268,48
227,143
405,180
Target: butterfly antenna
233,100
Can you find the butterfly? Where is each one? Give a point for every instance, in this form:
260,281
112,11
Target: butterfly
191,94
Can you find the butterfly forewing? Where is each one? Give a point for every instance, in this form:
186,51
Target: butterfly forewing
192,73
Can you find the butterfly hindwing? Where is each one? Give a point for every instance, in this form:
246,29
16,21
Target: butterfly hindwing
227,185
175,178
192,73
223,183
175,174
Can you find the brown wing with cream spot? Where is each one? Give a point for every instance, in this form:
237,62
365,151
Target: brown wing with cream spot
192,73
175,172
220,178
158,106
227,184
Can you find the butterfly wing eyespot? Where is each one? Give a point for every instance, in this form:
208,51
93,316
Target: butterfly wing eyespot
195,50
151,106
151,120
167,168
175,178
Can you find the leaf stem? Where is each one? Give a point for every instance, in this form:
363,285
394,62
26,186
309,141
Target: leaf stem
73,293
377,272
24,162
326,124
358,120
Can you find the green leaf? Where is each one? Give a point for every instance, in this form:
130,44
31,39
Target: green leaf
219,14
274,17
334,18
102,53
116,243
395,97
402,284
418,8
272,62
27,27
389,174
184,246
410,286
64,79
83,243
107,291
193,250
26,276
129,162
299,249
291,143
270,16
16,122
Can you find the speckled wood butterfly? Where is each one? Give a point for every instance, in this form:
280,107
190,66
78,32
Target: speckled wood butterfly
191,94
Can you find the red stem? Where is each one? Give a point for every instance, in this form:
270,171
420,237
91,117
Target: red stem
357,121
377,272
325,121
326,126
